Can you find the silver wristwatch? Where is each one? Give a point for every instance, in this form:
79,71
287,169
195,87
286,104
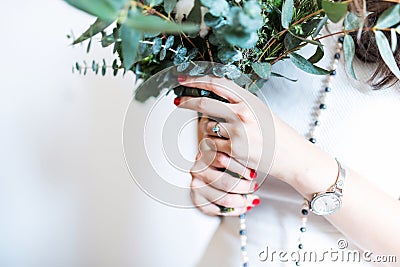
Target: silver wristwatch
326,203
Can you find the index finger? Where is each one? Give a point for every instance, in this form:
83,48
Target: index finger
223,87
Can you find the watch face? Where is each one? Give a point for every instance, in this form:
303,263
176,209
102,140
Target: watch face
326,203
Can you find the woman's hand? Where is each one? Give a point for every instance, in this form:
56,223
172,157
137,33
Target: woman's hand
254,137
213,187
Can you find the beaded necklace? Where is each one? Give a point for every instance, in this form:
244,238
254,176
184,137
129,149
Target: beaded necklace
320,106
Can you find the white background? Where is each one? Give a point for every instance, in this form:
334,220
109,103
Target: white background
66,197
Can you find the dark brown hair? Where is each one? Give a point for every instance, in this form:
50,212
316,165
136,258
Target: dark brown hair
366,48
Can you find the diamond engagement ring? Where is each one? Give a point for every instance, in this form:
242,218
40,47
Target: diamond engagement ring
216,129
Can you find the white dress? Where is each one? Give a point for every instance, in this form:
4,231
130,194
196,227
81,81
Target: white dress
360,127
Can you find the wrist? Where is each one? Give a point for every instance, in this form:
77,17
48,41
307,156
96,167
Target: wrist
317,172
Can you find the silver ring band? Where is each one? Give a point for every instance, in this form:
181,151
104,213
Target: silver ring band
216,129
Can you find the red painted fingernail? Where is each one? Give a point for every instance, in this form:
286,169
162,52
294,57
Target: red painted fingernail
256,202
177,101
256,187
181,78
249,208
253,174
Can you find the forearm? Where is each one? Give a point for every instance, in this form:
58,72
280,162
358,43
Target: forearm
369,217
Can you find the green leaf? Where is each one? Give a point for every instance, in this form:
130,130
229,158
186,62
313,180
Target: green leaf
386,53
252,8
129,43
389,17
274,74
153,2
307,66
170,42
104,68
192,53
198,70
393,39
287,13
163,53
352,22
98,26
195,16
229,55
263,69
241,39
180,55
153,23
169,5
334,10
105,9
318,55
89,46
157,45
320,25
212,21
349,50
216,7
310,41
107,40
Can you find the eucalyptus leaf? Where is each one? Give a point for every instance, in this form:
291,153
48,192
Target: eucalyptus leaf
104,9
180,55
212,21
320,25
393,39
318,55
255,87
195,14
310,41
192,53
107,40
157,43
218,71
163,53
198,70
170,42
153,23
334,10
169,5
183,66
229,55
306,65
129,44
241,39
89,46
349,51
252,8
98,26
262,69
389,17
153,2
352,22
104,68
274,74
216,7
287,13
386,53
232,72
115,67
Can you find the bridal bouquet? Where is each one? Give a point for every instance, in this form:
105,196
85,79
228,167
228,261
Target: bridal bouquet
246,36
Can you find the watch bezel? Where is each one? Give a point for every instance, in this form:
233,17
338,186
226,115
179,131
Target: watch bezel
322,195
